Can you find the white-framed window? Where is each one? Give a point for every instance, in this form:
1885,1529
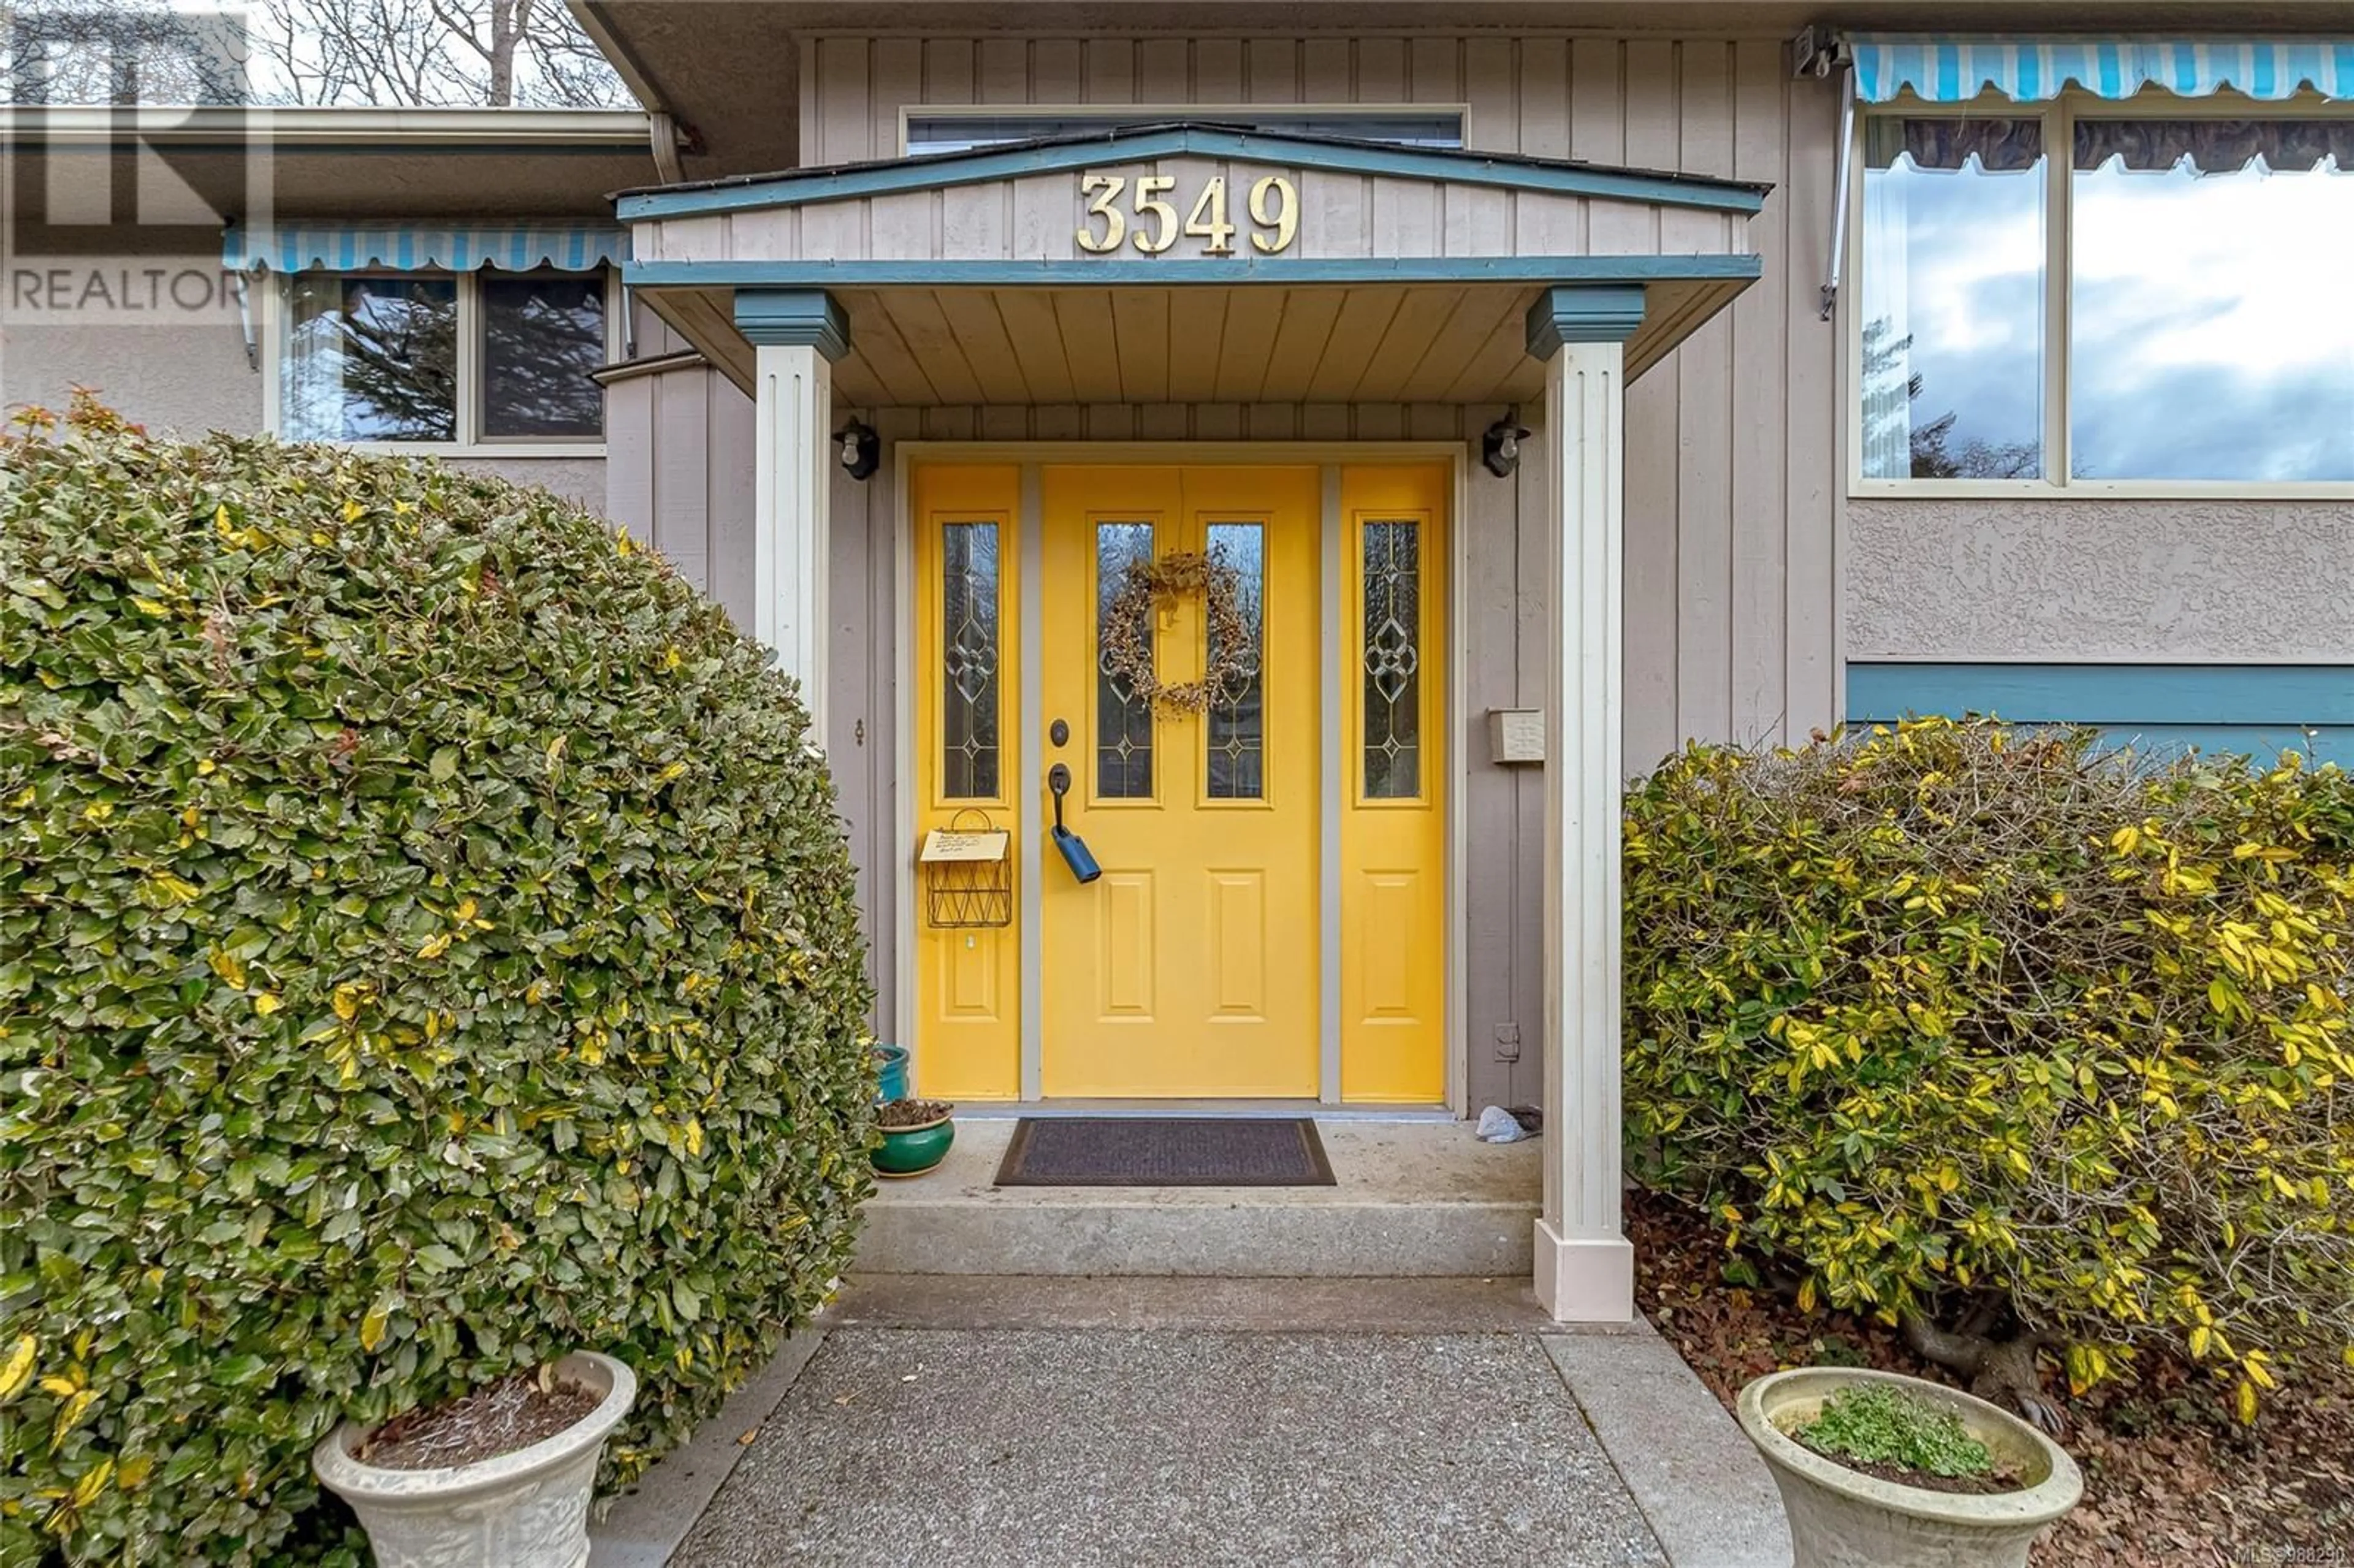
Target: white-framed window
953,128
2103,297
488,362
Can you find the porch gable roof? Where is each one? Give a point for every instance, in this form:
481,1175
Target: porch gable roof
981,276
1206,139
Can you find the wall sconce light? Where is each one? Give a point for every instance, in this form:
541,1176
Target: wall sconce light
1499,449
862,448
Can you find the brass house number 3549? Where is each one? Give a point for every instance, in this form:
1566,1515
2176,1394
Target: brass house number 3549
1273,206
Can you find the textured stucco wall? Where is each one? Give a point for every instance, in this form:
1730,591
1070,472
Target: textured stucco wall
2169,581
574,479
182,379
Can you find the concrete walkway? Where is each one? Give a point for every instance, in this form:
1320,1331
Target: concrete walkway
1134,1421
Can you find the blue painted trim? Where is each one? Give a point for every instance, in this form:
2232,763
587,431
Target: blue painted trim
462,247
793,316
2322,743
1592,314
2275,696
984,164
2031,68
1140,273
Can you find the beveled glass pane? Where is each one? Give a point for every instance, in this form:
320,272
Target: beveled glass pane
370,358
969,659
1238,717
1952,277
1393,661
1123,725
2201,345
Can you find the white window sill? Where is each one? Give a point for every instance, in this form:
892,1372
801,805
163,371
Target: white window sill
2089,490
473,452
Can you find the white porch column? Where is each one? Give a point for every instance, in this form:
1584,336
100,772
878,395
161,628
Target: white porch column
796,335
1585,1265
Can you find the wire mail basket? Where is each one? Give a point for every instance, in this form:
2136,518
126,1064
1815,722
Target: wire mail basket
968,872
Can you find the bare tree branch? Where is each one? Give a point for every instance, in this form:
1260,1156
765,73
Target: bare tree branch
427,53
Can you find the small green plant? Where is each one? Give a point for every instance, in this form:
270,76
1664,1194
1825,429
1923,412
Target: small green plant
1876,1424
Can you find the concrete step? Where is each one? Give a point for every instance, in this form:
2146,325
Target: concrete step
1410,1199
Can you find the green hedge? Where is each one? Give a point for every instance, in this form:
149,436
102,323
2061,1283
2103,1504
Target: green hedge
426,946
1949,1017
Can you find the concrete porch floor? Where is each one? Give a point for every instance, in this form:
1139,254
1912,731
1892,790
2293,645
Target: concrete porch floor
1143,1421
1420,1197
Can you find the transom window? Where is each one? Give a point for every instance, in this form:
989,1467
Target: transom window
957,131
2099,295
493,359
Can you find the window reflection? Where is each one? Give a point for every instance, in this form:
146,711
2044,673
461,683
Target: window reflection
1123,724
543,335
2208,336
970,658
1392,660
931,133
1238,715
370,359
1953,283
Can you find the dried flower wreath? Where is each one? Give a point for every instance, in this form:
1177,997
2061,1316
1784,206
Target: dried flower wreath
1151,585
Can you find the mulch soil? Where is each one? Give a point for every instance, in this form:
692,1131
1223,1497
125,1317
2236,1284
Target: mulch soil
508,1415
2171,1477
911,1113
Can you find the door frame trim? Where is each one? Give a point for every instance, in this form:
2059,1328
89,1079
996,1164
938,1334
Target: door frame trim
1330,457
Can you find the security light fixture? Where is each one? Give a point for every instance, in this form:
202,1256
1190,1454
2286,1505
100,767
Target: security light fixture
862,448
1499,449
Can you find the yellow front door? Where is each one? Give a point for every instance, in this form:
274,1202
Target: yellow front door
1196,964
1191,965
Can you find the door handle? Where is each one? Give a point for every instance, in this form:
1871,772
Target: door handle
1073,848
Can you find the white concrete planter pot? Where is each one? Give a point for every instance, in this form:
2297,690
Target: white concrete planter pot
1844,1518
524,1509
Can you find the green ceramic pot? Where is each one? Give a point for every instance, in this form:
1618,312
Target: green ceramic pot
912,1150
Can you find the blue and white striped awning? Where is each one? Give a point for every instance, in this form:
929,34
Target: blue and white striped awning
408,247
2029,70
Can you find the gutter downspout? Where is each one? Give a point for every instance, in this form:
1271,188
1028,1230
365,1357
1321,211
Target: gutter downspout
664,135
664,131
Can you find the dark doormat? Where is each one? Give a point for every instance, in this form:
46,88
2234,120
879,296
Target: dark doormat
1165,1151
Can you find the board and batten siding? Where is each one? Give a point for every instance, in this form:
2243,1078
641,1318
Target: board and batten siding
1732,520
682,449
1034,218
1732,502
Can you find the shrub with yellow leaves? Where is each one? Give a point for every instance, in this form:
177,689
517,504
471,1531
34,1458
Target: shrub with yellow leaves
430,947
2029,1045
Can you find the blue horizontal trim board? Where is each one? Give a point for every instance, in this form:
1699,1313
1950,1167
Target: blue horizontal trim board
1167,274
794,189
2324,743
2258,708
2289,694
